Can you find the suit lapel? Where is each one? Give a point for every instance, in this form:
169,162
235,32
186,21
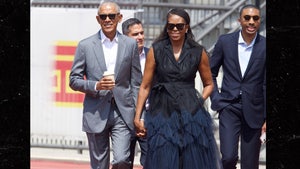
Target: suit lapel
98,50
120,54
235,41
146,51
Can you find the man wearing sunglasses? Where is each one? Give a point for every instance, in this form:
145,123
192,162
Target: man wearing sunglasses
241,101
133,28
109,103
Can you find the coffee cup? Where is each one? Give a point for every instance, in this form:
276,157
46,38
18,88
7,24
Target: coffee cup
109,74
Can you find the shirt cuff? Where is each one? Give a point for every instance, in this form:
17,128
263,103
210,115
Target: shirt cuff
96,86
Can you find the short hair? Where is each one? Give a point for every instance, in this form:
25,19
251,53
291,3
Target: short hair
111,3
248,6
129,22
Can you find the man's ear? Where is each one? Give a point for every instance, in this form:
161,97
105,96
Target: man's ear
98,18
120,18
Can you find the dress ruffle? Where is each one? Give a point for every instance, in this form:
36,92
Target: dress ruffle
179,129
190,135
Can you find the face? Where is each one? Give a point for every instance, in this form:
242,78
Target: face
250,21
176,27
108,18
136,31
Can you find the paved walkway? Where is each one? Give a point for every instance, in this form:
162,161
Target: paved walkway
56,164
47,158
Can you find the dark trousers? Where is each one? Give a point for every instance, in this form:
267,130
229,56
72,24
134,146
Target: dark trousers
234,129
143,145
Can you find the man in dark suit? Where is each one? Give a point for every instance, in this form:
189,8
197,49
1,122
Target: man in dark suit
241,102
109,103
133,28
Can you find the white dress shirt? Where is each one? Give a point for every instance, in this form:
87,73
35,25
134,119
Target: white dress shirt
143,61
110,49
244,52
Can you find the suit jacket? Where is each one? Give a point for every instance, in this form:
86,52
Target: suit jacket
252,84
88,68
146,50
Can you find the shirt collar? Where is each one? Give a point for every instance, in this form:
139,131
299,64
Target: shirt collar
105,38
143,52
241,40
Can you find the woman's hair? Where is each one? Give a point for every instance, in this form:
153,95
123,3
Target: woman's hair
182,13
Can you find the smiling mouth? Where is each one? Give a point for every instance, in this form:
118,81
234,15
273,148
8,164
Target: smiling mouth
251,29
108,25
174,35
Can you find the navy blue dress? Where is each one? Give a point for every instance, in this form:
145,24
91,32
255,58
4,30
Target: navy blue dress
179,129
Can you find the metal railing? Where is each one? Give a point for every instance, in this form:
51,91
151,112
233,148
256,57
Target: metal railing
209,19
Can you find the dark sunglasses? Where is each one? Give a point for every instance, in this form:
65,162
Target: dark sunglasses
110,16
248,17
179,26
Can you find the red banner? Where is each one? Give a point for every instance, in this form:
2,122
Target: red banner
64,95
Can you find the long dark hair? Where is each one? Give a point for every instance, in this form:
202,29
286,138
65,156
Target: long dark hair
182,13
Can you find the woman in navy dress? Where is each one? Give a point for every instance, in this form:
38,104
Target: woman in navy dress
178,129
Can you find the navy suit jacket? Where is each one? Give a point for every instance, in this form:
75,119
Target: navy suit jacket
146,50
252,84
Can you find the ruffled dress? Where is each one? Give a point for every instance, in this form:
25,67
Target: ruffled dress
179,129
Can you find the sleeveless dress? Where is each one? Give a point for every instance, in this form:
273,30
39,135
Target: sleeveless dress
179,129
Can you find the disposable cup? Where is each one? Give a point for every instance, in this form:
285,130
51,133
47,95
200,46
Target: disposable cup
110,75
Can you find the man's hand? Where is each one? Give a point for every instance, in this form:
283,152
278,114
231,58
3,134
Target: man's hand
139,128
105,83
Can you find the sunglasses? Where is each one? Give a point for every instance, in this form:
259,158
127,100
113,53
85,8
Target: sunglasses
179,26
248,17
110,16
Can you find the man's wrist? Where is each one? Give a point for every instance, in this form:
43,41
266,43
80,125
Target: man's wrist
96,86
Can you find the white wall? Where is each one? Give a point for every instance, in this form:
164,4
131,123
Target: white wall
48,27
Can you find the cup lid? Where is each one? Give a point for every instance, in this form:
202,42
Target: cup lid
108,73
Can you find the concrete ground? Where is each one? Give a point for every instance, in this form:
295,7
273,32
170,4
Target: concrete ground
47,158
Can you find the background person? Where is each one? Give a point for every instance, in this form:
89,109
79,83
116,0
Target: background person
241,103
178,128
133,28
109,104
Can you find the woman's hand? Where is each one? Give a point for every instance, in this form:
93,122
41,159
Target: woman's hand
140,128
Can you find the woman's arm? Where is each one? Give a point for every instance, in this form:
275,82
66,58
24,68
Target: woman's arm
144,92
206,76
